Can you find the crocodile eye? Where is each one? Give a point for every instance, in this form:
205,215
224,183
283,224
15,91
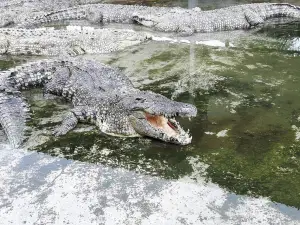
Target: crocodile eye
142,100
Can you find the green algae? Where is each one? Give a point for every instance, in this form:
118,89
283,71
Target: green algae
275,173
95,147
260,154
112,61
164,56
42,108
162,70
5,64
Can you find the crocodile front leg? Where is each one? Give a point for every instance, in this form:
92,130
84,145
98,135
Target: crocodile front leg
68,124
78,114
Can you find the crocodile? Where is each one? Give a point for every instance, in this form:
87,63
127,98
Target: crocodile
101,95
72,41
165,19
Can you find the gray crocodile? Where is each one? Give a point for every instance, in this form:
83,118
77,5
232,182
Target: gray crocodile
100,94
184,21
71,41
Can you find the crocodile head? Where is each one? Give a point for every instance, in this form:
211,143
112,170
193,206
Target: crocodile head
145,20
160,17
165,22
153,115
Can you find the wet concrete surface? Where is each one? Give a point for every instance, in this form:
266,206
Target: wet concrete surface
40,189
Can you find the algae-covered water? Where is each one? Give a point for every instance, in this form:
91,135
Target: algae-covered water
246,136
247,130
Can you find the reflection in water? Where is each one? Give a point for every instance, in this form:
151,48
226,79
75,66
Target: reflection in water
287,33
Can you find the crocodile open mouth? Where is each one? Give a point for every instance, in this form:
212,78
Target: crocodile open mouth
163,123
169,127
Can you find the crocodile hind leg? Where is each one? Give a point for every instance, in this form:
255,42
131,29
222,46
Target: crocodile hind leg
79,113
60,78
94,16
253,18
13,115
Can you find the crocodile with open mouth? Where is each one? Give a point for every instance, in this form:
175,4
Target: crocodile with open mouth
165,19
101,95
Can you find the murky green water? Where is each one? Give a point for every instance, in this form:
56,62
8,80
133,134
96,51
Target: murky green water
248,114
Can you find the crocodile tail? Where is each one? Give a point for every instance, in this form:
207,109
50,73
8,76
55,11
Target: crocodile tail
277,10
259,13
14,113
282,10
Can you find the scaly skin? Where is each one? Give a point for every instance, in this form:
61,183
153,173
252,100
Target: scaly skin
184,21
44,4
17,11
71,41
231,18
101,95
